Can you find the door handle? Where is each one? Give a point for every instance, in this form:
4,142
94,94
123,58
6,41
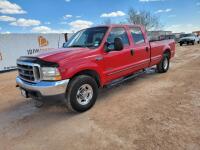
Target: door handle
132,52
147,49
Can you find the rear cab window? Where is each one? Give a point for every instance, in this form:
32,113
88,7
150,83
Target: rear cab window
137,35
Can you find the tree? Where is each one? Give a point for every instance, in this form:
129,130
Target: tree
145,18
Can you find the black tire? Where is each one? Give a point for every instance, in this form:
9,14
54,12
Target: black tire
193,42
161,67
198,42
71,99
181,44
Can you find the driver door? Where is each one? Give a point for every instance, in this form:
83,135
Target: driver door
117,62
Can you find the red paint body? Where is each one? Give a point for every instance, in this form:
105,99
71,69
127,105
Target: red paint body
114,64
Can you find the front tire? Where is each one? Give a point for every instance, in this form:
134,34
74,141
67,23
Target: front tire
163,66
82,93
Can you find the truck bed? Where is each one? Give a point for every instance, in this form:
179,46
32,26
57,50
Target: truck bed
157,48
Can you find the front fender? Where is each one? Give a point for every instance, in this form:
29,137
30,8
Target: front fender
75,68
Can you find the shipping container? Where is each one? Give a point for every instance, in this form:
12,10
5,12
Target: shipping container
12,46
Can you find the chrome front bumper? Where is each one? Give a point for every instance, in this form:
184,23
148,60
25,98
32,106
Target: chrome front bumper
45,88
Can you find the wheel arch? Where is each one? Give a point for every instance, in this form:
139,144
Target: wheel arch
167,51
92,73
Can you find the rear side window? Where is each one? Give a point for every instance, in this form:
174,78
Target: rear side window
138,37
118,32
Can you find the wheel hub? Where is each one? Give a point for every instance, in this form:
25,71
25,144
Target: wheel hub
84,94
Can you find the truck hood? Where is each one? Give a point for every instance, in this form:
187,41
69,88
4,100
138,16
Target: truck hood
56,55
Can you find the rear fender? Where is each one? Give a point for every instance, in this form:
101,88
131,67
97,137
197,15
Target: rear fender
170,49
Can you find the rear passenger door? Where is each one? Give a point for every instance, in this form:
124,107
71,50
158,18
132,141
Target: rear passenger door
140,49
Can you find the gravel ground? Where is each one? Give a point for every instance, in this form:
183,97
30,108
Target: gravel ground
154,111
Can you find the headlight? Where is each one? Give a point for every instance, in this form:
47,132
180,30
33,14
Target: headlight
50,73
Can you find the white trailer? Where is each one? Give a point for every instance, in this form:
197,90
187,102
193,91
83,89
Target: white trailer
12,46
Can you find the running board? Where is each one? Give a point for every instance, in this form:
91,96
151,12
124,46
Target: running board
123,79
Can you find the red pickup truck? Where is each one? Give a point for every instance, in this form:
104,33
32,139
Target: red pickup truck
92,58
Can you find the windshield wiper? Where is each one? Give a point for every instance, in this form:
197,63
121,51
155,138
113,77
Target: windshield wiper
77,46
88,46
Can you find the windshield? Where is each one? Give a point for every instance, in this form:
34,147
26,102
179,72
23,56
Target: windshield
91,38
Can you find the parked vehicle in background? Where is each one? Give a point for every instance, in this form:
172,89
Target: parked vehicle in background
92,58
172,36
161,37
189,39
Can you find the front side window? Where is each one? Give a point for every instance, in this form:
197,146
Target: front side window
138,37
91,38
118,33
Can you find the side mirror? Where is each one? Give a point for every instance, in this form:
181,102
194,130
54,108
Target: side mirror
118,44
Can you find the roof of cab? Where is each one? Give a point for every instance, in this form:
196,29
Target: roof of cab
119,25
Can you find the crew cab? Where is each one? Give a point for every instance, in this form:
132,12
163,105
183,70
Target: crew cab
92,58
189,39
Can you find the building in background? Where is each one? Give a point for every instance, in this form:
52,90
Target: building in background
158,35
197,33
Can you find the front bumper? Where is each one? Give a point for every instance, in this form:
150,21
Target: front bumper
44,88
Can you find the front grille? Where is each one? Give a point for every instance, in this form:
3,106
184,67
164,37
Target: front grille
28,71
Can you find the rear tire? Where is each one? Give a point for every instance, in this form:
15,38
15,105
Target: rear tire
181,44
163,66
81,94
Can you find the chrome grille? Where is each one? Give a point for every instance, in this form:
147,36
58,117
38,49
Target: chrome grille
28,71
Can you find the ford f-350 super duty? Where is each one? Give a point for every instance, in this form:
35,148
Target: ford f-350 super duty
92,58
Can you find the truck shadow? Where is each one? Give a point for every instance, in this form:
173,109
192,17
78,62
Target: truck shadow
23,118
26,108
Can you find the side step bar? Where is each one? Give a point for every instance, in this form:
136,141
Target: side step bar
123,79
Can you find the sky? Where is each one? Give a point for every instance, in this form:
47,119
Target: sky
52,16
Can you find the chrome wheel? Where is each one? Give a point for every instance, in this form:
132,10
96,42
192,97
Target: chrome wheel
84,94
165,63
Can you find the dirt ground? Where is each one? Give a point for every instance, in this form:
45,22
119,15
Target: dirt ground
152,112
